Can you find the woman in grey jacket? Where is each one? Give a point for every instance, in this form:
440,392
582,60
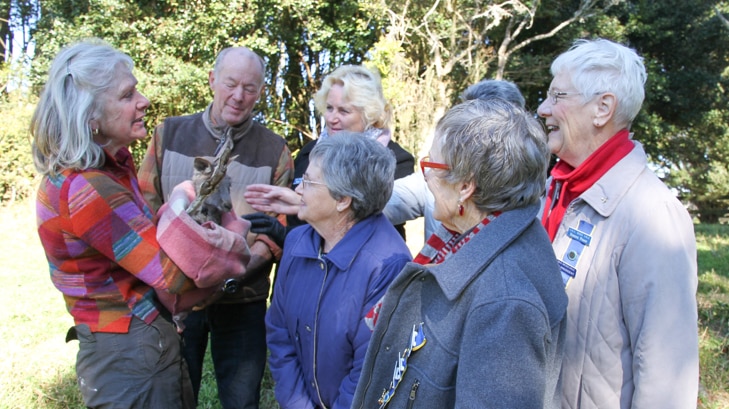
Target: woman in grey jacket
479,322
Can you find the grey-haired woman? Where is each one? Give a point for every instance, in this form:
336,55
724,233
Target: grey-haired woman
99,236
479,320
332,272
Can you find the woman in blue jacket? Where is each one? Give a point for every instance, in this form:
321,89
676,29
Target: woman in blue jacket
332,273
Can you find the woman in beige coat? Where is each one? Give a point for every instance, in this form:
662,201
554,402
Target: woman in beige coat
625,244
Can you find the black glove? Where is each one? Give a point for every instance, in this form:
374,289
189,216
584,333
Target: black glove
262,223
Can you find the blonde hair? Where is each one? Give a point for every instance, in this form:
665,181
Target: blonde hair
363,89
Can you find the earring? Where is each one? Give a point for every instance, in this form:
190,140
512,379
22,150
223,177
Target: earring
95,132
460,208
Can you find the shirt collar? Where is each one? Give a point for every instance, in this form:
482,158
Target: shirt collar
346,251
238,131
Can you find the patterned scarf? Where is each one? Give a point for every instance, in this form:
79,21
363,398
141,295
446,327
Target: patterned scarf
443,242
568,183
218,131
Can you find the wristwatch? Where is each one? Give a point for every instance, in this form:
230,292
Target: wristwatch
231,286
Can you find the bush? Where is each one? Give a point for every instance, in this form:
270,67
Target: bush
18,178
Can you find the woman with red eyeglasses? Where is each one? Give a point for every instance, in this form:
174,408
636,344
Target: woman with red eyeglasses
478,319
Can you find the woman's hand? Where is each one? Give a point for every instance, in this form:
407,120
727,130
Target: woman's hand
182,195
271,198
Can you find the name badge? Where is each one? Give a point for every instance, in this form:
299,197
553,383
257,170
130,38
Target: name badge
583,238
580,238
566,269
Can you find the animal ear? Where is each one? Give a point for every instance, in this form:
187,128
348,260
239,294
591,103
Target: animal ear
202,165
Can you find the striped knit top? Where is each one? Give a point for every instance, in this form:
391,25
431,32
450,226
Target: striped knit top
100,241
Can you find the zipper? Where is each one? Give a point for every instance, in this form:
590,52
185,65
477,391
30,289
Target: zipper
413,391
325,267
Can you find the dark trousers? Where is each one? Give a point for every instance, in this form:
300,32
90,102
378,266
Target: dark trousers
140,369
237,335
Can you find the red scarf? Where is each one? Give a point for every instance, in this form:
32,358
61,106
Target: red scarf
568,183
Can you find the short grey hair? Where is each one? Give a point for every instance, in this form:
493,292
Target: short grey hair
499,146
488,89
356,166
78,78
597,66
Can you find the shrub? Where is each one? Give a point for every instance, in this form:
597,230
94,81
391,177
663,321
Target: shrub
17,174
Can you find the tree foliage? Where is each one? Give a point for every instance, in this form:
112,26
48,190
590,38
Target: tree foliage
175,43
439,47
684,122
427,53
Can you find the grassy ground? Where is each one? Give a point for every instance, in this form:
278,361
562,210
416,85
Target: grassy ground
713,301
37,369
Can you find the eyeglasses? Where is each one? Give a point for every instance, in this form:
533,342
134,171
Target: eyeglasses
556,95
306,182
425,163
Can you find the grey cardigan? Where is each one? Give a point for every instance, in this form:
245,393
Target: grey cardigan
493,318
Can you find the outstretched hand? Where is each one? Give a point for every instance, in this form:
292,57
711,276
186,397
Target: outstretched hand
274,199
270,226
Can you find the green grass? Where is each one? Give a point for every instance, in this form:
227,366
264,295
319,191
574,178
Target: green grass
37,369
713,300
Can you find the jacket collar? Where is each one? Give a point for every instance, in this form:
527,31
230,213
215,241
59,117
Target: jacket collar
121,164
461,268
346,251
605,195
